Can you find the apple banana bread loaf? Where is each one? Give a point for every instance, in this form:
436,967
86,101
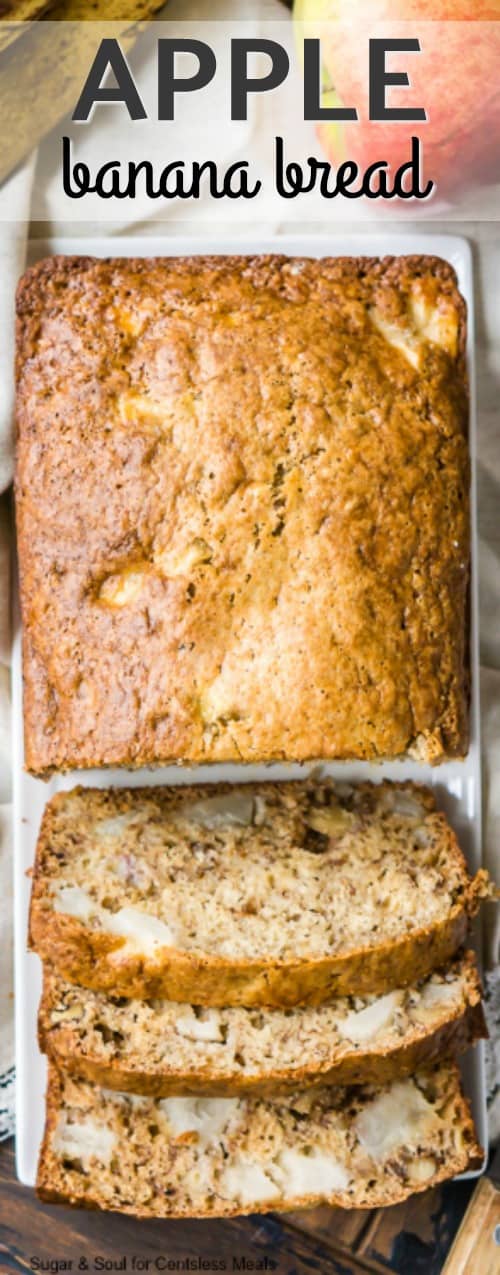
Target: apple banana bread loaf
254,894
242,510
213,1157
162,1048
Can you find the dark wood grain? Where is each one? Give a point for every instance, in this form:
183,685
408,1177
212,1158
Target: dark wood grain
28,1228
407,1239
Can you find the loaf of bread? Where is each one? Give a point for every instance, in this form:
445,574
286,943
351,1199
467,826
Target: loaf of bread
162,1048
213,1157
254,894
242,510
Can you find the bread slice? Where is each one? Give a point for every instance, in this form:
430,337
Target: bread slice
258,894
202,1157
161,1048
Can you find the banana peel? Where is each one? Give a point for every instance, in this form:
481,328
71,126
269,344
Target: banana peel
20,11
41,75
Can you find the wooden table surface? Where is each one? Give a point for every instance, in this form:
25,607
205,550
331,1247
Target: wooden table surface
407,1239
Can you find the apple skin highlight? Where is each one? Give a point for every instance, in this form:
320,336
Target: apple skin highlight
454,78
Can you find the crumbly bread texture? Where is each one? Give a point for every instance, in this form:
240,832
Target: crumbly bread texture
254,894
242,510
162,1048
199,1157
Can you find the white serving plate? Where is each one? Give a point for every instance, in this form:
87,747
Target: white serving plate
457,784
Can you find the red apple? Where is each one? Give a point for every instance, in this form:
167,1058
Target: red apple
454,77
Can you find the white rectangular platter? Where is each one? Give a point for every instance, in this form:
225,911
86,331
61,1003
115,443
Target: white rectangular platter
457,784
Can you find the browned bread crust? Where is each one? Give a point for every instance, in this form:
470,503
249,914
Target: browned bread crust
96,958
110,1044
147,1175
89,958
242,510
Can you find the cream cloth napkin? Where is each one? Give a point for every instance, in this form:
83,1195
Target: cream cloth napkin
487,249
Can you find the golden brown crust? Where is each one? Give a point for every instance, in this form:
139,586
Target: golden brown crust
89,958
371,1065
468,1155
267,492
103,961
